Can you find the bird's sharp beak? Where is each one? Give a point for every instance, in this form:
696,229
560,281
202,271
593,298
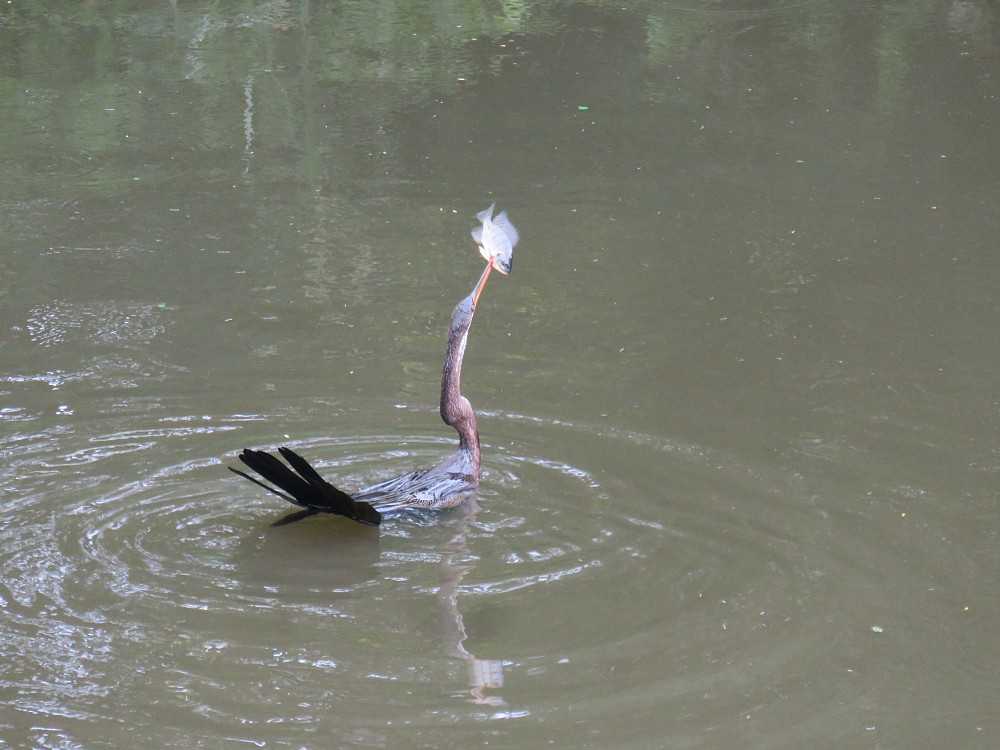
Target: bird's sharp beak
480,284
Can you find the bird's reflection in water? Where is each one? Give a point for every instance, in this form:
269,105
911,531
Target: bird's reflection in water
484,674
314,558
323,556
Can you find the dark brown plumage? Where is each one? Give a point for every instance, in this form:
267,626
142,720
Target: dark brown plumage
443,486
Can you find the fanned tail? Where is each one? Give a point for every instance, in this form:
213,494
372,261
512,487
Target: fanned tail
307,488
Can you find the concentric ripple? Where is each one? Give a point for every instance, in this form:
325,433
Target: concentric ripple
655,581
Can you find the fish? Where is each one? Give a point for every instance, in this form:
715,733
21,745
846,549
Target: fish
496,239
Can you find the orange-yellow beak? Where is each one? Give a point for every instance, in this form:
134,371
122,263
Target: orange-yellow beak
480,284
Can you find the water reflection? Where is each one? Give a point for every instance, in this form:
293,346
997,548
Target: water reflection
456,564
749,496
176,579
118,323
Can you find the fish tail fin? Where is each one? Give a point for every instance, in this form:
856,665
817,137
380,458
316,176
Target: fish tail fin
486,213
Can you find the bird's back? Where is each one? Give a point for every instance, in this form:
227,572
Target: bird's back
446,485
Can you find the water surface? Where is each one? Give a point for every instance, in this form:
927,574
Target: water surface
737,399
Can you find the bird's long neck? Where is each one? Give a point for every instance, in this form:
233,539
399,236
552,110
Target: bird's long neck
456,410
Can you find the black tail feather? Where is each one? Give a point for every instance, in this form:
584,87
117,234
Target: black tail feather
302,466
277,473
307,488
259,483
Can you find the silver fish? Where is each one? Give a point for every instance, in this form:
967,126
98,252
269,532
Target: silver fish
496,238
